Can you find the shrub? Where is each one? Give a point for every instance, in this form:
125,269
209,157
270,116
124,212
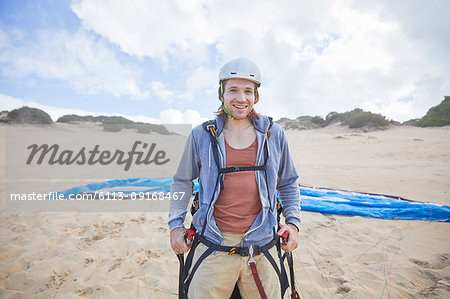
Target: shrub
142,128
26,115
437,116
112,127
318,120
358,120
71,118
332,117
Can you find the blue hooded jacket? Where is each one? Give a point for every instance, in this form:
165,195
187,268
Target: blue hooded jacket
198,161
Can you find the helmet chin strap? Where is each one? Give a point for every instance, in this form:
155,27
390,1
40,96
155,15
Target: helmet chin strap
226,111
250,115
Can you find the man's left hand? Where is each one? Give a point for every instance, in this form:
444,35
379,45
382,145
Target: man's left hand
293,238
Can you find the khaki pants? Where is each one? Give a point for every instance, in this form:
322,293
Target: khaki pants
218,273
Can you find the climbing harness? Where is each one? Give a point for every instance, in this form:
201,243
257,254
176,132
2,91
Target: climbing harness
187,270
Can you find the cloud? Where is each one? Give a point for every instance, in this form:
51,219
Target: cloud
315,57
78,59
172,116
201,80
151,28
395,109
159,89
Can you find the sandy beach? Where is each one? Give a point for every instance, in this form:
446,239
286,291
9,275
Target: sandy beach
127,255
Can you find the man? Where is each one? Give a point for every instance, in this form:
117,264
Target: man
241,160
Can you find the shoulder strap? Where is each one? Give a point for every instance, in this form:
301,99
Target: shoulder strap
270,126
210,126
266,151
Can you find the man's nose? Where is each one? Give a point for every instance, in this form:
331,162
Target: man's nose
240,95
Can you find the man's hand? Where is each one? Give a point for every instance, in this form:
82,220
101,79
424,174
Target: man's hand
293,238
177,241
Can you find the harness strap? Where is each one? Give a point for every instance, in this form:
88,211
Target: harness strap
242,168
282,277
290,259
196,265
242,251
231,169
181,292
210,127
258,282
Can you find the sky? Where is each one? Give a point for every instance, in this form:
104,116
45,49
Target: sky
158,61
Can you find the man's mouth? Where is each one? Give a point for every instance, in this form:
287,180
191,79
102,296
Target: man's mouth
240,106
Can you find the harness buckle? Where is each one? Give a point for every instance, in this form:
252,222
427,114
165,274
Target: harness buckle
250,253
189,236
212,129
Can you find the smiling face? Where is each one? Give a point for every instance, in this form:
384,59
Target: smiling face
239,96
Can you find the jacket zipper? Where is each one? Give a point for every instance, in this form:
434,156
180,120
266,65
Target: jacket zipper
259,187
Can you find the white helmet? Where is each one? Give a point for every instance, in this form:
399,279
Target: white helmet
240,68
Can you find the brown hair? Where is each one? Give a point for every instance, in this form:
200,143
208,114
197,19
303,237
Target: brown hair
220,112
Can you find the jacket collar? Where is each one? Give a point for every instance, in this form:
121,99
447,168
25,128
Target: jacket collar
261,124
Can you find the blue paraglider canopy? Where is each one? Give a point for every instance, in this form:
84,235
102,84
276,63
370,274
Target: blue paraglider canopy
319,200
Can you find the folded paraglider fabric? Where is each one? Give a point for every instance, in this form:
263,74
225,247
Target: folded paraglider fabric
321,200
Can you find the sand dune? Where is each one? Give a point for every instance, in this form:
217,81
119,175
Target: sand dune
127,255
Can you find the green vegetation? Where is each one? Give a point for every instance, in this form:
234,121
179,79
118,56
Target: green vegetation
112,127
354,119
72,118
146,128
300,123
437,116
359,118
332,117
26,115
318,120
411,122
117,120
116,123
304,118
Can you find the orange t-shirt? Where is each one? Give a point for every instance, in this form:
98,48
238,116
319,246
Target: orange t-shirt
238,203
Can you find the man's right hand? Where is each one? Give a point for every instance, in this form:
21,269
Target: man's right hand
177,241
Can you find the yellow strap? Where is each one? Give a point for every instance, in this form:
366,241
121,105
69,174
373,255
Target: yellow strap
232,251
